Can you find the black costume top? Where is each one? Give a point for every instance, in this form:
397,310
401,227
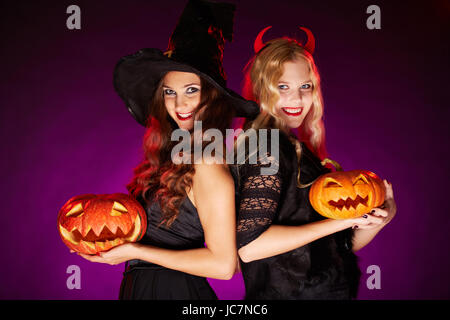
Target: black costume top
144,280
323,269
186,232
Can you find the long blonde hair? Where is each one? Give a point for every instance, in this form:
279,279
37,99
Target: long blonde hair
261,85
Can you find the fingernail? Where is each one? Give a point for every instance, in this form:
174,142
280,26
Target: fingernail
365,216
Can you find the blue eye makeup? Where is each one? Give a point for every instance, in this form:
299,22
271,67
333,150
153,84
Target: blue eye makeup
169,92
192,90
306,86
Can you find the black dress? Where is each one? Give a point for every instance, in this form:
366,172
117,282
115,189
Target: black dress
143,280
323,269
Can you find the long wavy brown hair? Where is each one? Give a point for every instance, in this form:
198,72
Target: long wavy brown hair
157,178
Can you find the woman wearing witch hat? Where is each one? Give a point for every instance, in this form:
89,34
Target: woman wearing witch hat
187,205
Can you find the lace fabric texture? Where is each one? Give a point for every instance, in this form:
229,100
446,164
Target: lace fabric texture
323,269
259,197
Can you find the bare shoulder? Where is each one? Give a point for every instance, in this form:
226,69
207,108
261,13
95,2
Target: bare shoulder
211,180
207,171
213,189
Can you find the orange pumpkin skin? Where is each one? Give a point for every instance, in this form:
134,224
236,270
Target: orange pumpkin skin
92,223
347,194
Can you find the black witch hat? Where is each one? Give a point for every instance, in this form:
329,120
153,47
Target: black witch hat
196,46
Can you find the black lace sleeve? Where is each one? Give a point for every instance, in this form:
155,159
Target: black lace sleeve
259,196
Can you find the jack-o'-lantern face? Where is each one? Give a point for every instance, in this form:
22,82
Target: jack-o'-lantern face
93,223
344,195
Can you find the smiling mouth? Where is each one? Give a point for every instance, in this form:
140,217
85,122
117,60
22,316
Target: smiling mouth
349,203
293,111
105,239
184,116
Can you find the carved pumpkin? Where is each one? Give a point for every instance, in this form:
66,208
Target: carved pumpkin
92,223
347,194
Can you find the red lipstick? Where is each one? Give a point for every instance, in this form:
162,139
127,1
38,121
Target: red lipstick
184,118
293,111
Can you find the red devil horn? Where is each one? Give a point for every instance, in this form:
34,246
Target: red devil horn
311,42
258,45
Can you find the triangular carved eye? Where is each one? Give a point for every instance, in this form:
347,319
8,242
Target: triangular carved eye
331,183
361,179
76,211
118,209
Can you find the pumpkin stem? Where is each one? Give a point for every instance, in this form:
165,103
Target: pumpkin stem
336,165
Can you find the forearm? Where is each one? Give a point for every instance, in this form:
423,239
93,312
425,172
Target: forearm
363,237
200,262
278,239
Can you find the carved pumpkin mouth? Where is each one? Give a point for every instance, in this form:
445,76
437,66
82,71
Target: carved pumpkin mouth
104,239
349,203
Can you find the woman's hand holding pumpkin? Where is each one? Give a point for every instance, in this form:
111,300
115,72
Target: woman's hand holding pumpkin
390,207
380,216
116,255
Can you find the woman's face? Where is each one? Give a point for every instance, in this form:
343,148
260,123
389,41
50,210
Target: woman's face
182,93
295,88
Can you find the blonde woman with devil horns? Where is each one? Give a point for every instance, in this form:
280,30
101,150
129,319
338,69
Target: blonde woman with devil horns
287,250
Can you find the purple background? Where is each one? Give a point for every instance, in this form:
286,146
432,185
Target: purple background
65,131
